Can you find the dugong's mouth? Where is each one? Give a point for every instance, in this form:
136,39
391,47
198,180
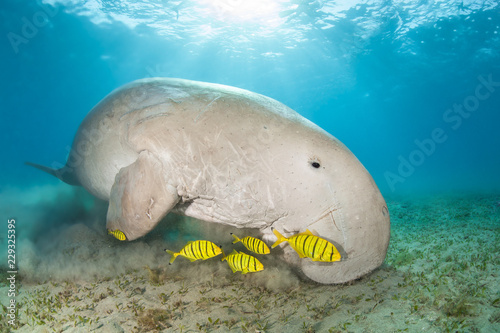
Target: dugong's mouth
361,234
333,219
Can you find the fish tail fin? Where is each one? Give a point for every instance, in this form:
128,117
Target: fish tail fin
223,254
280,240
65,173
173,254
236,239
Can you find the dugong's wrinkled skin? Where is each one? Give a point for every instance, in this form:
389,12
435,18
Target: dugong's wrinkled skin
227,155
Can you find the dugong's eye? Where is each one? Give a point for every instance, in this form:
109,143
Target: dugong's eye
315,165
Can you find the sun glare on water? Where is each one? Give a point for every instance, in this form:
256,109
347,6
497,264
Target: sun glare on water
264,12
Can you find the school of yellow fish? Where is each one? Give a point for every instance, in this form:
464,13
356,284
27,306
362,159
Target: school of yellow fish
305,244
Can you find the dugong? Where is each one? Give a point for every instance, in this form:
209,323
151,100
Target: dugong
231,156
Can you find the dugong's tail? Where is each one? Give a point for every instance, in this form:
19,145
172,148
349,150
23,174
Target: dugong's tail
65,174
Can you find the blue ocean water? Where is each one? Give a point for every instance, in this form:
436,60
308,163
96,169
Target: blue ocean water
381,76
412,88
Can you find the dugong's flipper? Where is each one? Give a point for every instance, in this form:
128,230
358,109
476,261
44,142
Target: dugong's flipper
140,197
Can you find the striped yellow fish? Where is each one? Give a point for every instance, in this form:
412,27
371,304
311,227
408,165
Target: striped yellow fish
118,234
308,245
242,262
252,244
200,249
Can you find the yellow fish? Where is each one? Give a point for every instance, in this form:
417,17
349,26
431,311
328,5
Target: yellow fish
253,244
242,262
118,234
200,249
308,245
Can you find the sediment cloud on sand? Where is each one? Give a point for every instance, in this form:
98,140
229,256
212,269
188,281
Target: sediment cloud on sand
61,236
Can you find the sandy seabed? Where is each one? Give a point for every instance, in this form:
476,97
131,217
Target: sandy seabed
441,274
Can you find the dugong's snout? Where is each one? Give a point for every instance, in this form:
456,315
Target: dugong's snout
360,230
337,199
